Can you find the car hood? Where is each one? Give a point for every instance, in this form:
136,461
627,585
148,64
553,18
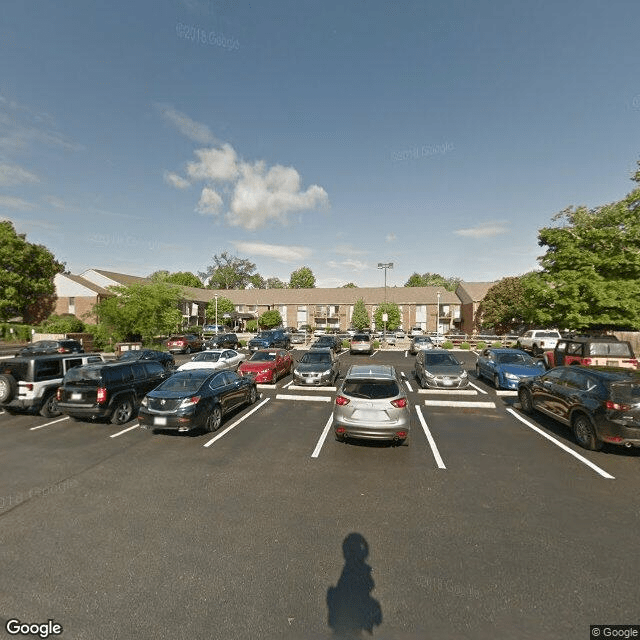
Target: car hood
311,367
200,365
520,369
445,370
257,366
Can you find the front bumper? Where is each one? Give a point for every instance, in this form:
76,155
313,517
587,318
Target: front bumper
446,382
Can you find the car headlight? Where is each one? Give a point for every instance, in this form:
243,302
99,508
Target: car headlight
428,374
511,376
265,370
463,374
144,402
296,372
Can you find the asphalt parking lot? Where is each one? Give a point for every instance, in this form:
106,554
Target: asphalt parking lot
486,524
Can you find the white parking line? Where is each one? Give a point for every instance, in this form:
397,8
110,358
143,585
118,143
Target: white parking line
478,388
303,387
323,437
48,423
408,386
115,435
457,392
506,392
293,396
432,442
235,424
460,403
563,446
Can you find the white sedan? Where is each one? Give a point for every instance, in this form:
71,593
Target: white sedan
215,359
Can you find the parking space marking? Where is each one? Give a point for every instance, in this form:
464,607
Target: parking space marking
235,424
48,423
323,437
563,446
302,387
506,392
479,389
293,396
461,404
458,392
432,442
115,435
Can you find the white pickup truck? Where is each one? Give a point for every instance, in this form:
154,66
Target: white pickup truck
538,340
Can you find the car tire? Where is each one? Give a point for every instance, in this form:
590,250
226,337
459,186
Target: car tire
478,374
187,350
8,387
584,433
536,350
496,381
123,411
526,400
253,395
49,408
214,419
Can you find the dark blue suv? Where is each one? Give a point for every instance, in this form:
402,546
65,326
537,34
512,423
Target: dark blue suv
275,338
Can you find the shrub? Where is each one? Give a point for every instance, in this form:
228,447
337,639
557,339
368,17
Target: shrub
481,344
447,344
465,345
21,332
496,344
66,323
251,326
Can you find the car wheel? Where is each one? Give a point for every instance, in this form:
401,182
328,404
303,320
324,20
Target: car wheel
187,350
478,374
123,411
8,387
253,395
536,350
526,400
585,433
214,419
496,381
50,407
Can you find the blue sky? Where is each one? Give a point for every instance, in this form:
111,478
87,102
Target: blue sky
439,136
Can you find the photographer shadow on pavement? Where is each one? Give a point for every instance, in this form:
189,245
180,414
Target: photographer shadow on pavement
352,610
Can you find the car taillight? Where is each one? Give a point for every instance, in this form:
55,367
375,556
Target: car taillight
29,387
587,361
400,403
59,393
616,406
101,396
187,402
341,400
61,350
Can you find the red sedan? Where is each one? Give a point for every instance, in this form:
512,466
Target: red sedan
267,365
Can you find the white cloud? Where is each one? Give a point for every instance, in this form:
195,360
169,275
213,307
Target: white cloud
214,164
186,126
281,253
12,174
348,250
57,203
353,265
175,180
210,202
390,237
262,195
484,230
12,202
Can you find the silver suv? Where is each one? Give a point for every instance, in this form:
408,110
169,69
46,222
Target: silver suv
371,404
30,383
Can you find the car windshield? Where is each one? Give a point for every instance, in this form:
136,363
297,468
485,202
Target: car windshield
264,335
422,339
626,392
207,357
440,359
130,355
370,389
315,358
361,337
263,356
514,358
617,349
188,382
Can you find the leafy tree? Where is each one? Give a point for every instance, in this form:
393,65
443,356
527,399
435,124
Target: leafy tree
185,279
229,272
251,326
432,280
591,269
224,306
275,283
65,323
138,309
360,317
270,319
393,312
350,285
506,307
303,278
26,273
160,276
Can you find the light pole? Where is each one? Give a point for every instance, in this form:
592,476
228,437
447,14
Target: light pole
216,298
385,266
438,316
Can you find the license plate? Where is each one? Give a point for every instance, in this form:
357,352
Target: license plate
612,363
76,396
448,382
160,421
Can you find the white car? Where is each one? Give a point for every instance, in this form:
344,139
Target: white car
215,359
538,340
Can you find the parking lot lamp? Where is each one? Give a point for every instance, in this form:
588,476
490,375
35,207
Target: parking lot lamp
385,266
438,315
216,298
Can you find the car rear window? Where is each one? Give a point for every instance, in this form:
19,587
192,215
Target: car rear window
625,392
84,375
371,389
617,349
361,337
19,370
48,369
184,383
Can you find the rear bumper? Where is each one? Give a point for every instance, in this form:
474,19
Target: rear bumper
378,431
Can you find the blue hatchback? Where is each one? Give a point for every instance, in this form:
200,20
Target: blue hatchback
505,367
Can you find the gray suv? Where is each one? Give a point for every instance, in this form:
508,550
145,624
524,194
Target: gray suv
371,405
29,383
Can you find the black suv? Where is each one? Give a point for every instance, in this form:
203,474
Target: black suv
274,338
50,347
598,404
29,383
223,341
165,359
109,391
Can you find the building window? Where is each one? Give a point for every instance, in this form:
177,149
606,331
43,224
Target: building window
72,305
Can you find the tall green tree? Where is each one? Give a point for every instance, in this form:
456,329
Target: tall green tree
506,306
432,280
26,272
393,312
275,283
147,310
360,317
183,278
591,269
270,319
225,305
229,272
302,278
350,285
